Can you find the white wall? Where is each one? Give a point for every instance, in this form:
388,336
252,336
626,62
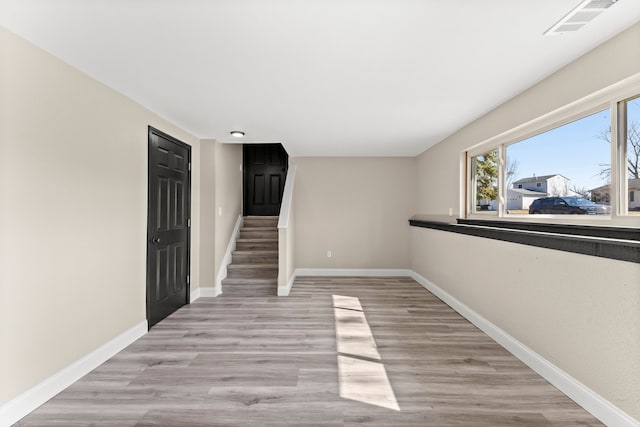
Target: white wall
73,186
580,312
356,207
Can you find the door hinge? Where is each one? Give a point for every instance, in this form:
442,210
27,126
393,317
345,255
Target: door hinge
188,279
189,222
189,165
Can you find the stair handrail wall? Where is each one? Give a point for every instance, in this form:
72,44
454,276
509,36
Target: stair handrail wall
286,250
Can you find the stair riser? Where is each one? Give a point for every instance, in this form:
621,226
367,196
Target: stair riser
250,234
261,246
261,219
254,259
261,273
251,290
249,281
273,226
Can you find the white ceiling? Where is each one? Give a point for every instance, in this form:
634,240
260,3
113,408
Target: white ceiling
324,77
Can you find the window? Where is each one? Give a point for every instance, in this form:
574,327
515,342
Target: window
573,159
632,130
571,154
484,170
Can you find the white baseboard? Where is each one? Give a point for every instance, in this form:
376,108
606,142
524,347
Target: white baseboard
283,291
209,292
369,272
205,292
226,260
22,405
194,294
597,405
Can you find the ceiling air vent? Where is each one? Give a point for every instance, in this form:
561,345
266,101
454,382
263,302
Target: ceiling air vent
579,16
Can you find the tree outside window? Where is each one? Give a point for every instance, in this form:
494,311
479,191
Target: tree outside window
485,169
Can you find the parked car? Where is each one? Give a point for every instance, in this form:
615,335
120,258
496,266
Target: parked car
568,205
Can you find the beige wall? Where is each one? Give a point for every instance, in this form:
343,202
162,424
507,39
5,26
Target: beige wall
221,188
73,185
228,192
207,212
356,207
580,312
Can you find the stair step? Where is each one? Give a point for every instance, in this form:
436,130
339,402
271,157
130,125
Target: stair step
248,281
260,221
254,257
269,233
265,271
250,291
262,244
258,229
257,267
249,287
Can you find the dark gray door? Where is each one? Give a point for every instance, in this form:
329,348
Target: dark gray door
168,225
265,169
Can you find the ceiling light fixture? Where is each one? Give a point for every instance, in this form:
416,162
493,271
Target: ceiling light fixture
579,16
237,133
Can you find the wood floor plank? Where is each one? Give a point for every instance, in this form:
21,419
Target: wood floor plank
383,351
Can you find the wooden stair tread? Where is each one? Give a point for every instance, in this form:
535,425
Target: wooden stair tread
256,252
251,266
258,229
250,281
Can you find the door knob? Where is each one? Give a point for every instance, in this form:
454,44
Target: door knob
155,240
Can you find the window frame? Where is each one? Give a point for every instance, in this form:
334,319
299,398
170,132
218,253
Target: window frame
614,99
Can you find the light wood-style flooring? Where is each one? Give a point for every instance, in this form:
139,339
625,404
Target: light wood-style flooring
336,352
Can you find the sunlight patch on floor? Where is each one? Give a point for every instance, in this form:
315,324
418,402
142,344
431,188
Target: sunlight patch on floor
362,375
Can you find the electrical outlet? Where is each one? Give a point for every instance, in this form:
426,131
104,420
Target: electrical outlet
219,211
450,211
328,254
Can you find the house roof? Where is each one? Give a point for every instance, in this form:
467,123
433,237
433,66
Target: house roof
537,178
633,183
526,192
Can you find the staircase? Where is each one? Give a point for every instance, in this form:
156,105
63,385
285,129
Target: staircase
254,264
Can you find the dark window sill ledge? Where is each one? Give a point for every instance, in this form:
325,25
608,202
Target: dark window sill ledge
621,244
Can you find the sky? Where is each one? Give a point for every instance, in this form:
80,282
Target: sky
576,150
